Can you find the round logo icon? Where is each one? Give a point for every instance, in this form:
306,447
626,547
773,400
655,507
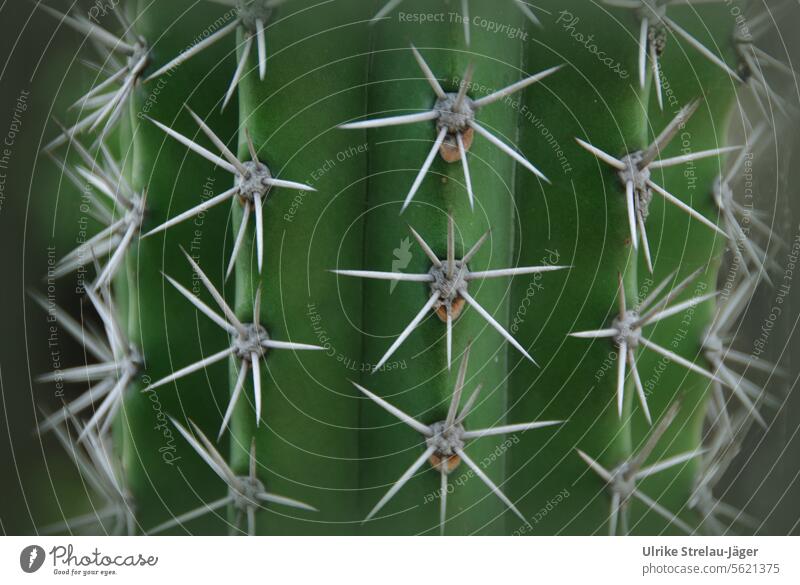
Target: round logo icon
31,558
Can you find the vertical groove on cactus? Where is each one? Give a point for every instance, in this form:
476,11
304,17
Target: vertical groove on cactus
315,79
417,379
581,220
160,465
468,272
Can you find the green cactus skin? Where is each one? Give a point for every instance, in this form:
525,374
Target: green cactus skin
158,314
581,218
591,232
319,440
421,385
317,72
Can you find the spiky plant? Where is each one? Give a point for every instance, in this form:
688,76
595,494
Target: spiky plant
584,140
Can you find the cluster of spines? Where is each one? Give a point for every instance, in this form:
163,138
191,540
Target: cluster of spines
122,215
454,116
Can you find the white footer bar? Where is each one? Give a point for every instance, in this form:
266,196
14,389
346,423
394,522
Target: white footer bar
391,560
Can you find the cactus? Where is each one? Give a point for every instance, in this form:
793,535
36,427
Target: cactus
413,267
